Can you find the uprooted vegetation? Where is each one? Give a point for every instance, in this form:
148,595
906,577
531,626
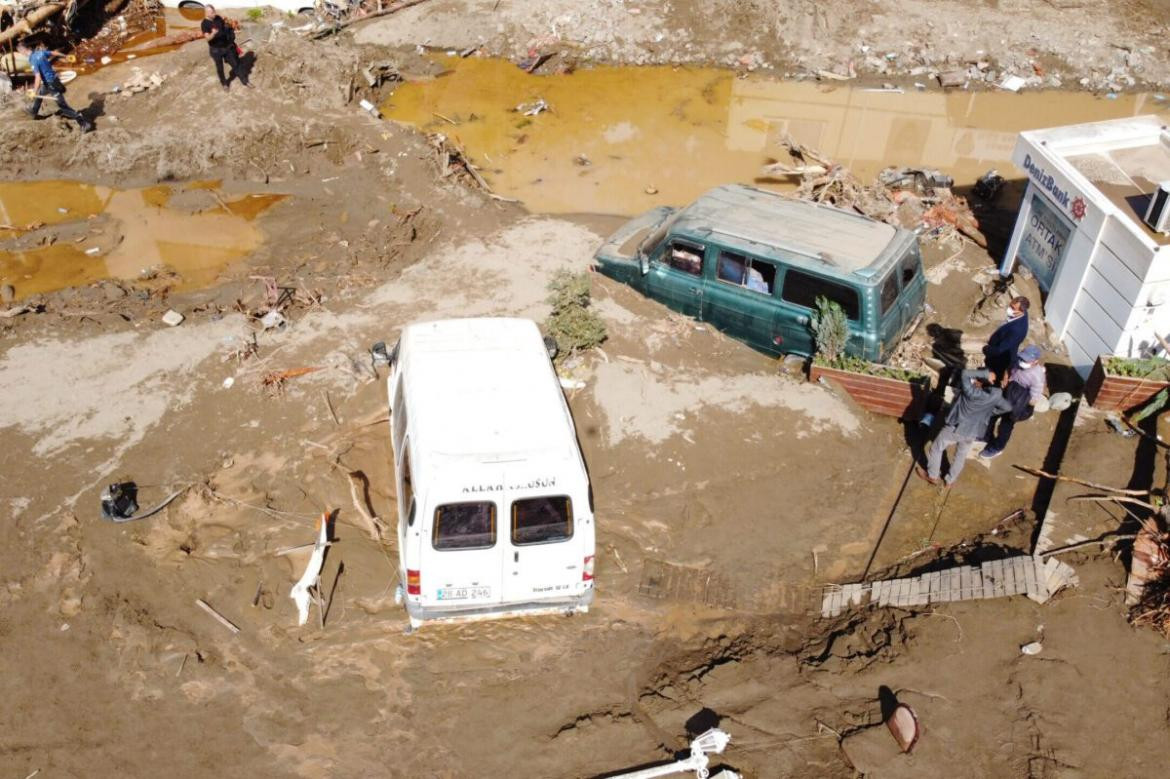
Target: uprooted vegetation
574,326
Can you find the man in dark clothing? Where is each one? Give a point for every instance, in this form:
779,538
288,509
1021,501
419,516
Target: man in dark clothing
221,44
979,399
1000,352
46,84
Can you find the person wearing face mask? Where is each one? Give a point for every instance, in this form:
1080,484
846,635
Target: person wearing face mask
1000,352
1025,388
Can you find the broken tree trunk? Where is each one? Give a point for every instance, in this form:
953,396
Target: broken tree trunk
32,21
390,9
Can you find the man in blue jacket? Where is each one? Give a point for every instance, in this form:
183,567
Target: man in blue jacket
978,401
1000,352
46,84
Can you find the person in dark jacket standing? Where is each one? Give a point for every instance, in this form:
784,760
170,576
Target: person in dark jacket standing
221,44
1000,352
979,399
46,84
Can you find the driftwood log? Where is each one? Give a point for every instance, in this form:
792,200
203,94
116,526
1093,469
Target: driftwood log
33,20
394,7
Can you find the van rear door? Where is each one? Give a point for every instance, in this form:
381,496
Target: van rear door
544,540
463,553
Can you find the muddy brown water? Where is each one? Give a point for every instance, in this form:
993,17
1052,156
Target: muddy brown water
111,233
620,140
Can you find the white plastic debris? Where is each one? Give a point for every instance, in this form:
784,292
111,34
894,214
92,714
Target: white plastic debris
272,319
312,575
1033,648
571,384
532,109
228,382
1012,83
370,108
93,251
173,318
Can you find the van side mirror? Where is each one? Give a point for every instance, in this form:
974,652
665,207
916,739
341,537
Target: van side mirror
643,262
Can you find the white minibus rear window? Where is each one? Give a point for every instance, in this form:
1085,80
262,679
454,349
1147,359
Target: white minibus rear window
465,526
542,520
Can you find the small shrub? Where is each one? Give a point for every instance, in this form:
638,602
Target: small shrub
1155,368
830,330
571,323
831,333
255,14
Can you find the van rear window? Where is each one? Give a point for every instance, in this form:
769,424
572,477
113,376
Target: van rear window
542,520
803,289
465,526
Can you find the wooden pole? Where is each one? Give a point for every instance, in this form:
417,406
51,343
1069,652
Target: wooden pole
35,19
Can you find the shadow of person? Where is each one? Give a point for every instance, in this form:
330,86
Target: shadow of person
96,107
946,345
247,63
888,702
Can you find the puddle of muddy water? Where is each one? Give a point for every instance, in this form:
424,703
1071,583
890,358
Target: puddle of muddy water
110,233
621,139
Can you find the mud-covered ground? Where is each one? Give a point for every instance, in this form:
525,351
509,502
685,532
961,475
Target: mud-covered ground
728,492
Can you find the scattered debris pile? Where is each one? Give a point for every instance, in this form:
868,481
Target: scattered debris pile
134,18
139,82
1147,589
453,161
909,197
101,26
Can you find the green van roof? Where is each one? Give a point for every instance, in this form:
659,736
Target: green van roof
770,225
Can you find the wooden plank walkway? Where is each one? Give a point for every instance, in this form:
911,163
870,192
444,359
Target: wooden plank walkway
1035,577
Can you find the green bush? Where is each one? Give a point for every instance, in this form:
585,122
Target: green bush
1155,368
830,330
255,14
571,323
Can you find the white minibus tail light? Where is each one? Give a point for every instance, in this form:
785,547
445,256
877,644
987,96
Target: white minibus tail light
587,569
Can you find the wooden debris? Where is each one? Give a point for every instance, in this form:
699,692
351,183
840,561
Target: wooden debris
361,15
358,486
274,380
453,161
221,619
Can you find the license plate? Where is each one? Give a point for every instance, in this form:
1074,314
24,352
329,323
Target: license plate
464,593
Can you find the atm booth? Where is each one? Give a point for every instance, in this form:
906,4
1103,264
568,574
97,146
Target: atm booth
1082,231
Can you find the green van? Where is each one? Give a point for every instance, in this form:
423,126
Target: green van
753,263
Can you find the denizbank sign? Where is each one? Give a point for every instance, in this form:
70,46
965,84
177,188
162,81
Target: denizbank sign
1058,191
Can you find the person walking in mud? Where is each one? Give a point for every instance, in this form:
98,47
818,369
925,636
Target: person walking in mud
1024,389
221,44
979,399
1000,352
46,84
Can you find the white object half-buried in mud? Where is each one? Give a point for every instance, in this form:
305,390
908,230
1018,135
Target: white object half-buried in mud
300,591
495,514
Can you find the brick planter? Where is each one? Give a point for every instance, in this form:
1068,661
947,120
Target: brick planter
1109,392
879,394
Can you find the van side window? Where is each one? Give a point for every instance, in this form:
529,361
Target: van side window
910,267
406,499
803,289
465,526
889,292
541,520
756,275
685,257
399,411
